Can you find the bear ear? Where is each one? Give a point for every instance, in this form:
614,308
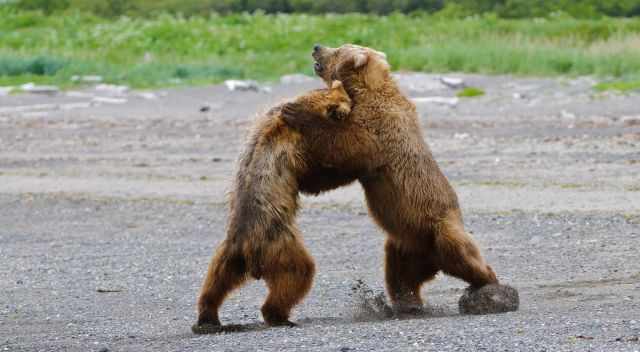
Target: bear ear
360,59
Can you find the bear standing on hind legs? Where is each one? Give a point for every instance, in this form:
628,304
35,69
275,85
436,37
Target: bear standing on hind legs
262,240
407,194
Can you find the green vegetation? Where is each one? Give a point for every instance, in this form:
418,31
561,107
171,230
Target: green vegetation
470,92
453,8
176,50
622,86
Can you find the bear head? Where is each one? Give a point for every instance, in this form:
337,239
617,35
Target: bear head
357,66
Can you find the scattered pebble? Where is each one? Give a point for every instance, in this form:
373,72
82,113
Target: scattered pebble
583,337
369,305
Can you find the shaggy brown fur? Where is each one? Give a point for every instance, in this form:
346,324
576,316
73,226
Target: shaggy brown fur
262,240
408,196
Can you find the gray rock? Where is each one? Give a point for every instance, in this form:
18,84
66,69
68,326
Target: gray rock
37,89
452,82
246,85
238,85
489,299
112,89
6,90
147,95
630,121
451,102
77,94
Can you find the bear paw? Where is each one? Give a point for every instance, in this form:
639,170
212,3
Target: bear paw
207,328
489,299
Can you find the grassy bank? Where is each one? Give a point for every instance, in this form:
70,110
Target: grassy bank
170,50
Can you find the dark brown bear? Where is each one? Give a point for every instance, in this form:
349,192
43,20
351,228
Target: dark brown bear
381,142
263,241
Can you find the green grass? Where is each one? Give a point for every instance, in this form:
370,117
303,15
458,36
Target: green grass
172,50
470,92
622,86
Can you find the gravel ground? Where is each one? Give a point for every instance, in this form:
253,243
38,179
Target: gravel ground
111,208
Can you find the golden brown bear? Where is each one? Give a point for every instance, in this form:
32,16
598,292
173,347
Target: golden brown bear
262,240
381,142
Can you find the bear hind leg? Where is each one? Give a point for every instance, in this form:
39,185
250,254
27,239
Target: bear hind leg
227,271
405,272
289,276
